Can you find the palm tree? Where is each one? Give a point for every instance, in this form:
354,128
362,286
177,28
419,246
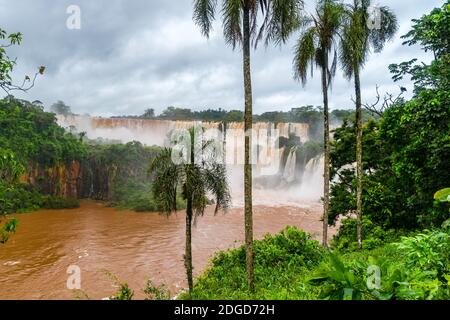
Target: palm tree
318,40
358,39
279,19
201,174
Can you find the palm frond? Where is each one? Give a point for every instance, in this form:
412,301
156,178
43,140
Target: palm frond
356,37
281,18
305,54
232,21
332,70
198,178
354,45
204,15
217,184
194,187
319,41
389,27
166,176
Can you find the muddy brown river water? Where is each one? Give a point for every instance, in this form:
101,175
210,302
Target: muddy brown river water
132,246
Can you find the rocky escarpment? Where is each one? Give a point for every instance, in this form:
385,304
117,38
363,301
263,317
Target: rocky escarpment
61,180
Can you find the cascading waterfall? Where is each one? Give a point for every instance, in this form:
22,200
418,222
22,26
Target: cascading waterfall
312,180
290,171
288,186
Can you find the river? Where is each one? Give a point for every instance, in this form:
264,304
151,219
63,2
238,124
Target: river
132,246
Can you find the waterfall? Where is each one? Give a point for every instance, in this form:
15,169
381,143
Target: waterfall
290,168
154,132
312,180
267,159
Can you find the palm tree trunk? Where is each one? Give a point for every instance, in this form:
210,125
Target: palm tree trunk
188,248
326,142
359,151
248,140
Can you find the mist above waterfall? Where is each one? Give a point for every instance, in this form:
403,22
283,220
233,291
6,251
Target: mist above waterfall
295,177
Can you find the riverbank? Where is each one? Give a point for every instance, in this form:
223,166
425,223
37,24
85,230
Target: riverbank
132,246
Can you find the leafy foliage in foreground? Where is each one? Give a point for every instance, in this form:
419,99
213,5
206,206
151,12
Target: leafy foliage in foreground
282,262
415,268
291,266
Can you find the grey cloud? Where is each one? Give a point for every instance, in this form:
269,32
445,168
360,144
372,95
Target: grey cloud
130,55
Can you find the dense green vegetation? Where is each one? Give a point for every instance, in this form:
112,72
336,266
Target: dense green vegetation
33,135
290,265
406,151
281,262
30,139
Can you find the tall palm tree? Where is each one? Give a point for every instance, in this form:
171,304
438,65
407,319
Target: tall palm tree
317,42
279,19
194,178
358,39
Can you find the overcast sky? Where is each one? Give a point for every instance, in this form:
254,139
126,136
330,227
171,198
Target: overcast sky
130,55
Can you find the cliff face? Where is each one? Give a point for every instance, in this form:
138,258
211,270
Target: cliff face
88,180
61,180
97,180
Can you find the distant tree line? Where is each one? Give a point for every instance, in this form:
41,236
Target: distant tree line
311,115
306,114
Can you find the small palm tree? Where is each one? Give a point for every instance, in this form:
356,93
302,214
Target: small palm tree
318,40
358,39
196,177
279,19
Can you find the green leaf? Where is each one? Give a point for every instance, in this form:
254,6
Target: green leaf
443,195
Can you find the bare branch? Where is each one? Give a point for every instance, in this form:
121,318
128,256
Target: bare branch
7,86
387,101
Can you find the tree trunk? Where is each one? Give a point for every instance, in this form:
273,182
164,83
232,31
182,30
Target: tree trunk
188,249
326,143
359,151
248,119
189,215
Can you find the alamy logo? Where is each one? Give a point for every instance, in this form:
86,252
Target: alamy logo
73,22
373,277
227,148
74,279
375,17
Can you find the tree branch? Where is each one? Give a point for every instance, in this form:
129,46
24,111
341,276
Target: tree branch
387,101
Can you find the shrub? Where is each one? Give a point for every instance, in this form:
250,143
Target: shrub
281,263
414,268
154,292
51,202
8,228
373,235
19,198
124,293
428,250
